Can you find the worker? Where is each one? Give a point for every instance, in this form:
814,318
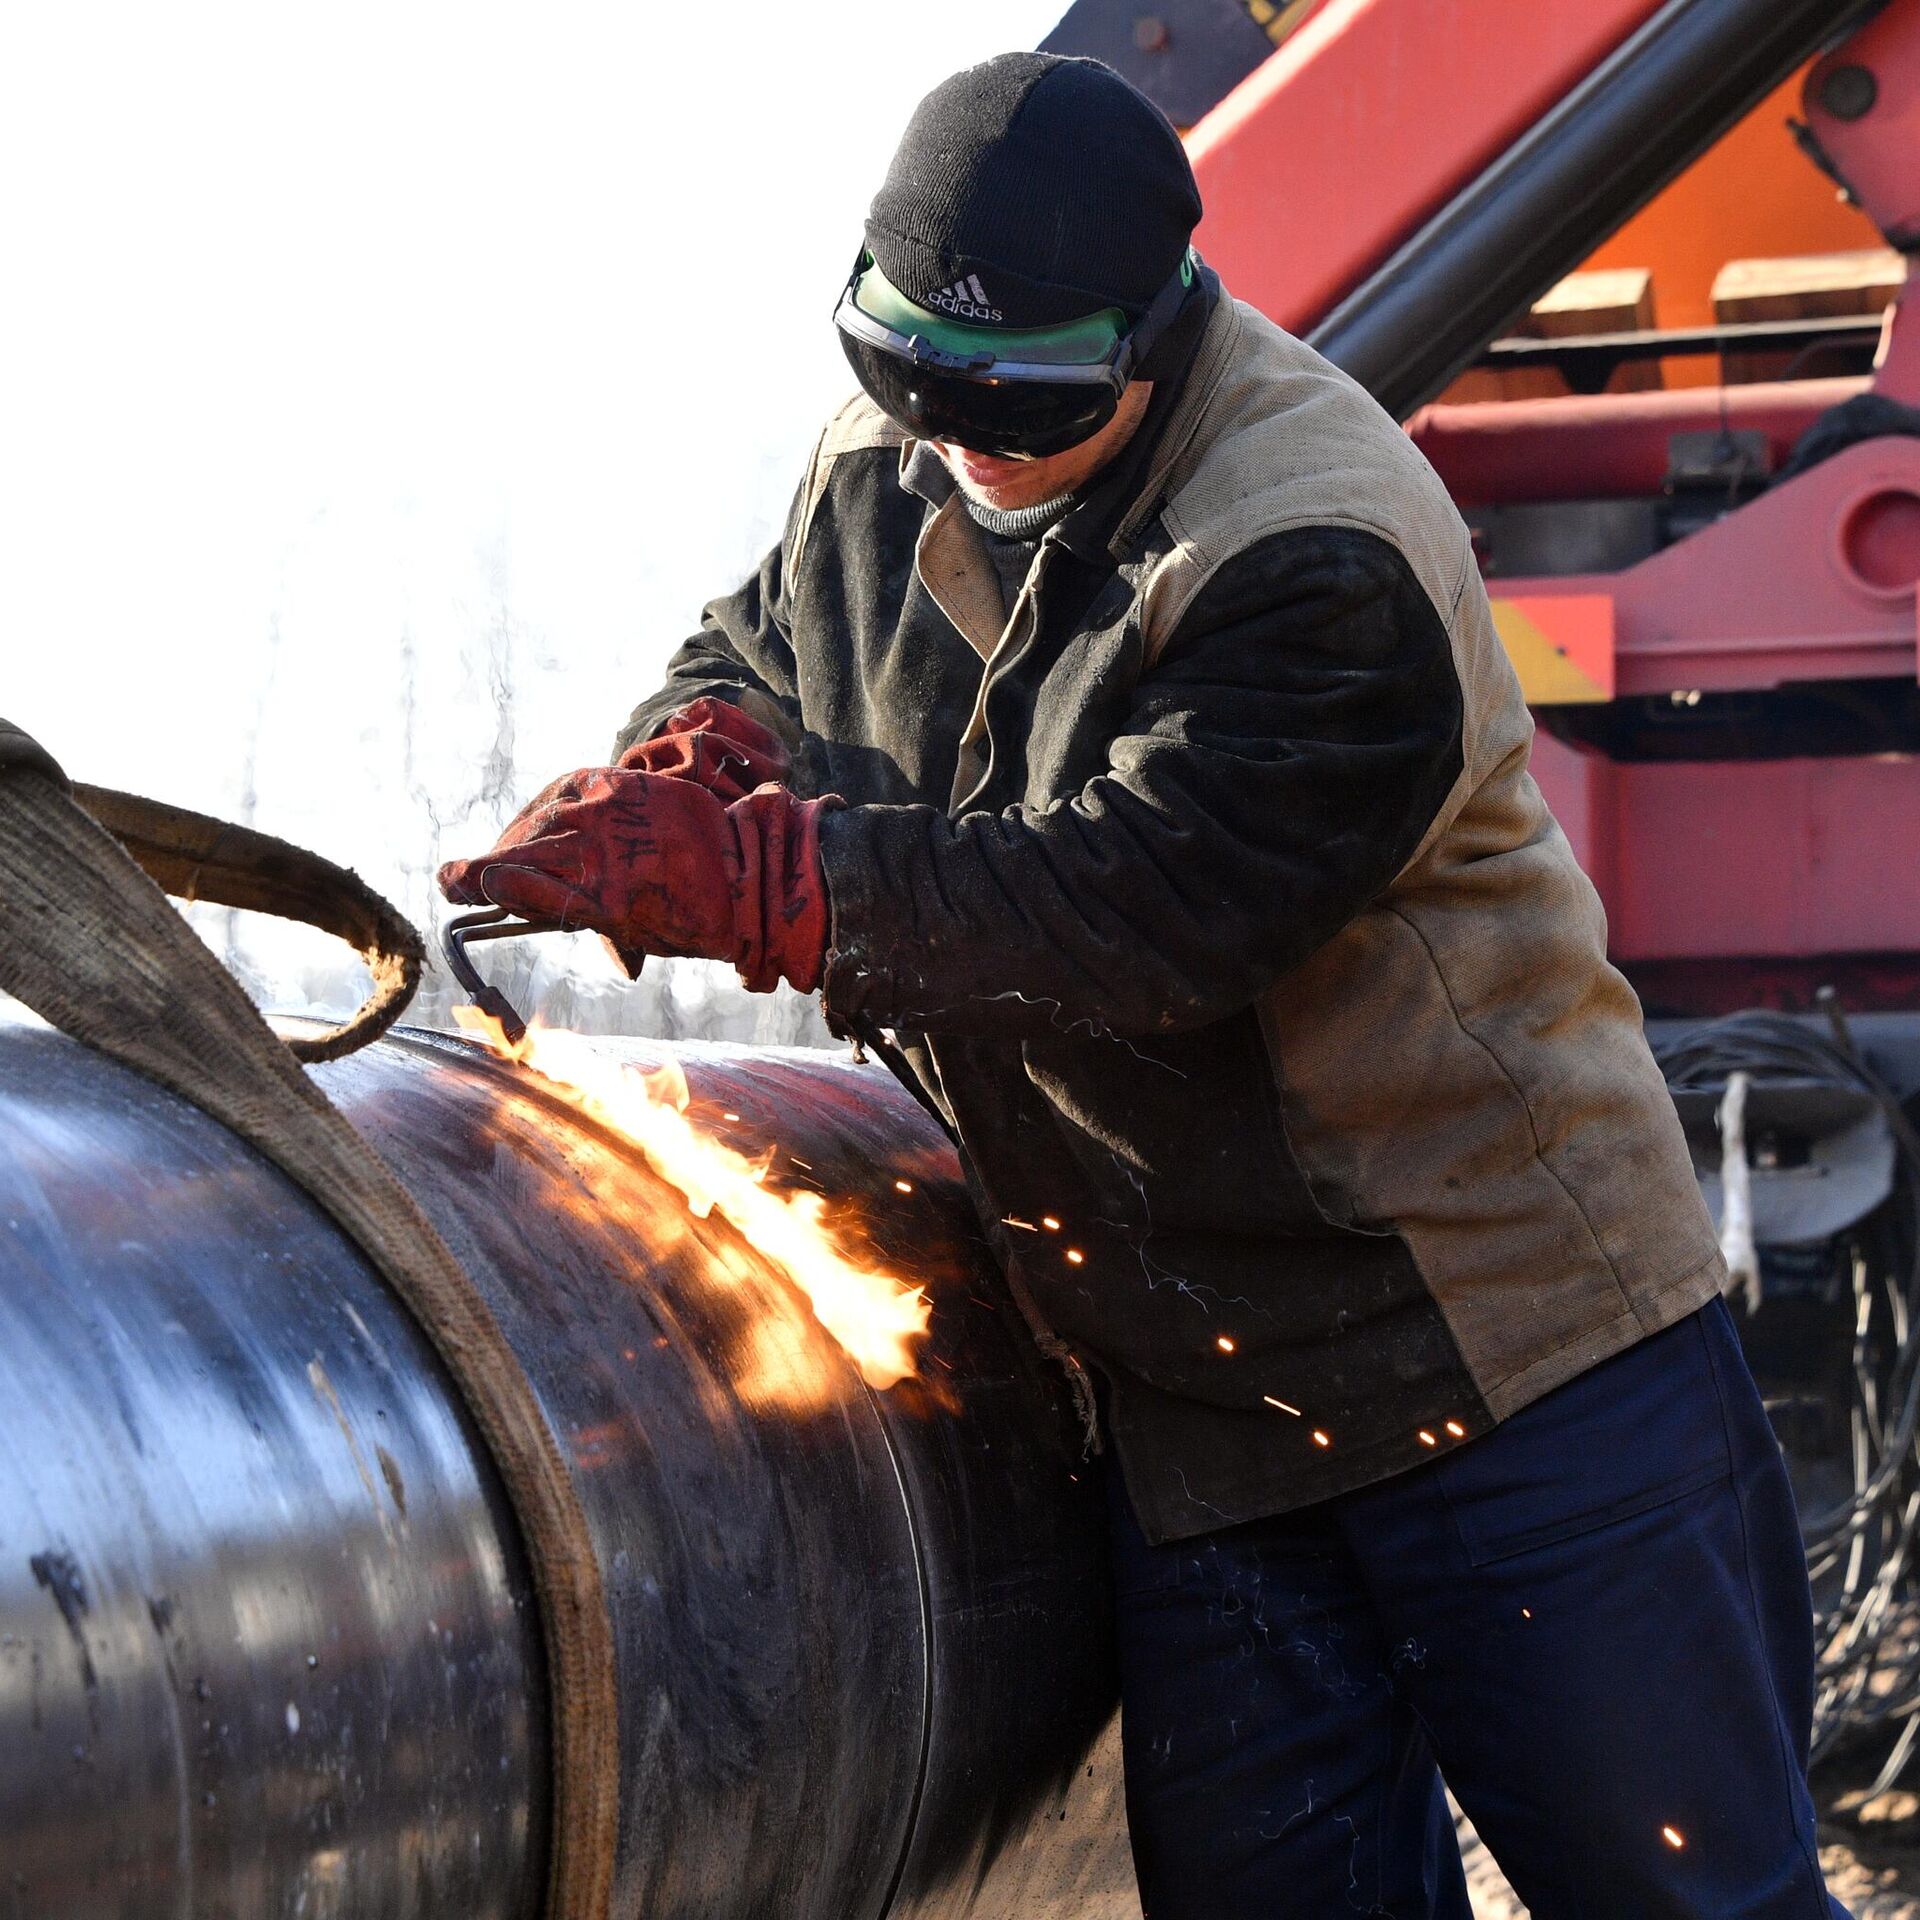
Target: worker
1118,735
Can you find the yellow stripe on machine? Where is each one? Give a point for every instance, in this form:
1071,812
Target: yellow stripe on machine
1561,646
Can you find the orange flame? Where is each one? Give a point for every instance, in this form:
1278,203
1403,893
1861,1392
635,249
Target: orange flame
875,1317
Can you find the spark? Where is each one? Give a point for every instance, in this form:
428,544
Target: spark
1014,1220
903,1186
1224,1343
1673,1837
1456,1429
1526,1613
1322,1439
730,1116
1282,1405
1050,1223
1074,1256
1427,1439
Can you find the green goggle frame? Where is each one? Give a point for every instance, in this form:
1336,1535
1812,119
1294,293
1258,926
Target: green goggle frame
1090,341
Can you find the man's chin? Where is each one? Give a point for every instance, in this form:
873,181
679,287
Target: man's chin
991,481
999,499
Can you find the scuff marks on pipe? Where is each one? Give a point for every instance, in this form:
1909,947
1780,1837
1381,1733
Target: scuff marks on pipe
56,1572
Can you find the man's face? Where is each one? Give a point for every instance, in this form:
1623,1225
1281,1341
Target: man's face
1005,484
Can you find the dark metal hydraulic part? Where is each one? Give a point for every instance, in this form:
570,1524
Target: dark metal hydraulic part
1637,119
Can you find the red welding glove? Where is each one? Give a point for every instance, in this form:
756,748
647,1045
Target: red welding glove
660,865
713,743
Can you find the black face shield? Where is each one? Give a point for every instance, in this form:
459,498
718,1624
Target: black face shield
993,389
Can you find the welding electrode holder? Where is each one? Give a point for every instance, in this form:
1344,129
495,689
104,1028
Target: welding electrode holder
489,923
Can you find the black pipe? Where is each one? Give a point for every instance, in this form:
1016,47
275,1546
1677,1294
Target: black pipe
267,1645
1659,101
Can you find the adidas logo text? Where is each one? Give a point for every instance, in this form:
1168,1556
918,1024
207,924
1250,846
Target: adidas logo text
966,299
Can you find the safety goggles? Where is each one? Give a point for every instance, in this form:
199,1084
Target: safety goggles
993,389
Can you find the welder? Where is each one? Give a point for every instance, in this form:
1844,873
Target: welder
1118,735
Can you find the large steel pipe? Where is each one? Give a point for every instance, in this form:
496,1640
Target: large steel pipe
267,1643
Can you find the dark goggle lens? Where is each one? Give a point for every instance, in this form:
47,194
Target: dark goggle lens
1036,417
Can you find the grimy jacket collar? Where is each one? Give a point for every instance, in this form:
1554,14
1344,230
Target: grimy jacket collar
951,555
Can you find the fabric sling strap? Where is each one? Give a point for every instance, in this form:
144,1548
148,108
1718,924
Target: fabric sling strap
89,941
196,858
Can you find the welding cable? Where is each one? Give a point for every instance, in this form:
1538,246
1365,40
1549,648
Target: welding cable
1861,1552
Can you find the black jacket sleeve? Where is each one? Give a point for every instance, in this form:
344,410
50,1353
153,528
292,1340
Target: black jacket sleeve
1281,763
742,653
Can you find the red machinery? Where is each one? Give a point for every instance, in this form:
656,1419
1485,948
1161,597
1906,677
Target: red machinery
1723,655
1721,651
1729,721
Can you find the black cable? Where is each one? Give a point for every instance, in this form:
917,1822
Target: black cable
1861,1553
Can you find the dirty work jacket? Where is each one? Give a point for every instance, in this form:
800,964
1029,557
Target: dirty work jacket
1210,896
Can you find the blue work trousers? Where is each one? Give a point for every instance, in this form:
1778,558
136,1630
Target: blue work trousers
1594,1620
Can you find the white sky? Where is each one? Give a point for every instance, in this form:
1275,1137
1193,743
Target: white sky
344,345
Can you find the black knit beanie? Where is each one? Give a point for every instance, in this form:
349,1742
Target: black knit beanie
1033,189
